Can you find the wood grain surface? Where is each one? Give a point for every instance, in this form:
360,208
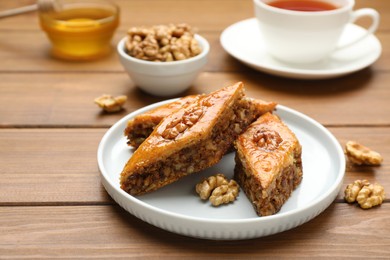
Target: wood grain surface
52,202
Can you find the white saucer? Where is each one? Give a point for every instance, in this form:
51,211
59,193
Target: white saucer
244,42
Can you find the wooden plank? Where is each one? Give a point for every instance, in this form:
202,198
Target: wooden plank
202,14
66,99
343,101
341,231
50,166
151,12
52,203
24,47
58,166
15,57
378,139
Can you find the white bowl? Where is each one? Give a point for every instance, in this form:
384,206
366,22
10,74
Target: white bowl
164,78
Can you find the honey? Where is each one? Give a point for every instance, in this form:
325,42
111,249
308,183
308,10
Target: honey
81,32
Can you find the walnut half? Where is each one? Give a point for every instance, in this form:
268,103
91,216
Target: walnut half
177,126
362,155
218,190
110,103
205,187
370,196
352,190
267,139
367,195
225,193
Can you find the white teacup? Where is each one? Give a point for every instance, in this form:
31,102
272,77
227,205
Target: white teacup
308,36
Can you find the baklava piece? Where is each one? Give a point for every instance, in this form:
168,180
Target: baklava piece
187,141
260,106
141,126
268,163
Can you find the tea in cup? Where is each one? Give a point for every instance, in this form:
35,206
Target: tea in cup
308,31
80,29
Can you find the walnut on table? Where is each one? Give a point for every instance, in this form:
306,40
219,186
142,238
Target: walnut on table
370,196
362,155
352,190
110,103
218,189
367,195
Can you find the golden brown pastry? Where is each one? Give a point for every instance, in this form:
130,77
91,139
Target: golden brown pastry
189,140
268,163
141,126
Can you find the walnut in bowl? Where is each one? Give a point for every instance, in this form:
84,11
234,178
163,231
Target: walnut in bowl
163,63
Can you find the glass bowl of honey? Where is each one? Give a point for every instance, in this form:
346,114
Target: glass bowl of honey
80,29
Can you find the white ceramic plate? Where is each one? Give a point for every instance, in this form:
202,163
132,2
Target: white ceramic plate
177,208
244,42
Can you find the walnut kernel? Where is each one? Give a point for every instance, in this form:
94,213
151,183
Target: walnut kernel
370,196
218,190
367,195
162,43
205,187
179,125
352,190
267,139
225,193
110,103
362,155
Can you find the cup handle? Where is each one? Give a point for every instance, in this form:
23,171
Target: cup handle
369,12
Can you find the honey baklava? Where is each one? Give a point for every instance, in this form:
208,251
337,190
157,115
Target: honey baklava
189,140
141,126
268,163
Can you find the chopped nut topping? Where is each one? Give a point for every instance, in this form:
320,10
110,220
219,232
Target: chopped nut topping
110,103
362,155
178,126
218,190
366,194
162,43
267,139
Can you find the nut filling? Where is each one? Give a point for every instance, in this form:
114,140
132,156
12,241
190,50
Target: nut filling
139,133
193,158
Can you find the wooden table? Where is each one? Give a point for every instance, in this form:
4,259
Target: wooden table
52,203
